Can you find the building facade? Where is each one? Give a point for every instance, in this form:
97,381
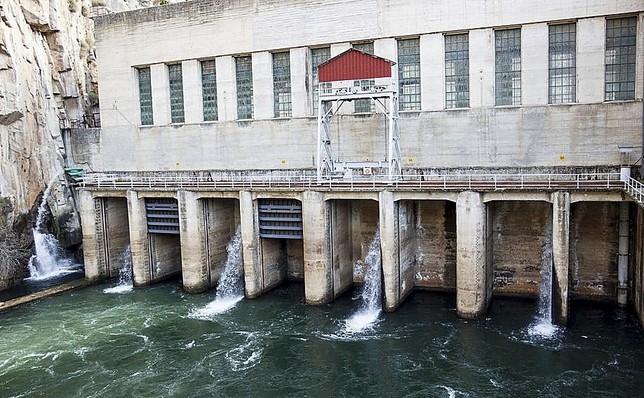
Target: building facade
226,90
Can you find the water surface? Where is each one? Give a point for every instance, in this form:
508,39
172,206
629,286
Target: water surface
143,343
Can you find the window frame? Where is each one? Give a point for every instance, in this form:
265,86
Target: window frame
507,71
175,85
146,106
457,59
557,73
627,77
409,84
210,111
282,96
245,105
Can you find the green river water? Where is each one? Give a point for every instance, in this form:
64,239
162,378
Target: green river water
144,343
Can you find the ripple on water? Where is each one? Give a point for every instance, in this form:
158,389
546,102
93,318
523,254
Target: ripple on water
246,355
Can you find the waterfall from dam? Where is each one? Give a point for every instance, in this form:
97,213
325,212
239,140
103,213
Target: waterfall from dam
125,283
230,288
48,260
371,295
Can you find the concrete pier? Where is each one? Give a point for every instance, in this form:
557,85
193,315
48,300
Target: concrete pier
398,251
473,273
194,265
253,270
318,262
560,255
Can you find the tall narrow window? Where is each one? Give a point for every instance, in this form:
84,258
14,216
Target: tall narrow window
209,90
620,59
409,74
282,84
364,105
145,96
562,69
457,71
507,45
244,73
176,93
318,57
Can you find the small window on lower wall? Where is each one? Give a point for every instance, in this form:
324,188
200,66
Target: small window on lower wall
145,96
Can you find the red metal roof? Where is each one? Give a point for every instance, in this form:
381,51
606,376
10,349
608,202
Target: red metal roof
354,65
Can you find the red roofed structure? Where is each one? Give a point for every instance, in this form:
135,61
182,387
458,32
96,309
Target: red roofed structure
354,65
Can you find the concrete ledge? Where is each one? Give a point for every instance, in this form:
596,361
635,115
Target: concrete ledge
77,284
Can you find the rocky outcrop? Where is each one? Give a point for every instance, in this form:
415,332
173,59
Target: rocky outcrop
47,78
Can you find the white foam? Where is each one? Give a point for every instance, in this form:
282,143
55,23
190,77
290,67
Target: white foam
361,321
544,329
119,289
216,307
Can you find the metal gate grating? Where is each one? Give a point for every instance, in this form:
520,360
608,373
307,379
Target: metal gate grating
280,219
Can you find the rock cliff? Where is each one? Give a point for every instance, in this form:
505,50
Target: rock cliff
47,81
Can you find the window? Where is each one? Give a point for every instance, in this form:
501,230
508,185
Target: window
507,45
176,93
282,84
244,74
620,59
209,90
145,96
318,57
367,104
562,69
409,74
457,71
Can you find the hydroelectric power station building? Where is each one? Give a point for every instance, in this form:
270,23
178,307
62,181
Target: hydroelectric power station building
482,140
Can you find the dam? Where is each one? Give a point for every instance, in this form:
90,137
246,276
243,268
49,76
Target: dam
470,145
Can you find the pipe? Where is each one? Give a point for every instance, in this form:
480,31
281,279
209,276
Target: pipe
622,264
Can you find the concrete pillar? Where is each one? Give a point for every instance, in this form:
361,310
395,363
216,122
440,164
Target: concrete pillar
432,72
299,72
194,266
318,270
263,107
160,93
192,96
91,240
390,252
534,64
473,279
623,258
253,272
481,68
139,242
226,88
560,255
590,59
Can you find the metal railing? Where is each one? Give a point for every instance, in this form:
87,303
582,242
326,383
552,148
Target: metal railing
551,181
635,189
